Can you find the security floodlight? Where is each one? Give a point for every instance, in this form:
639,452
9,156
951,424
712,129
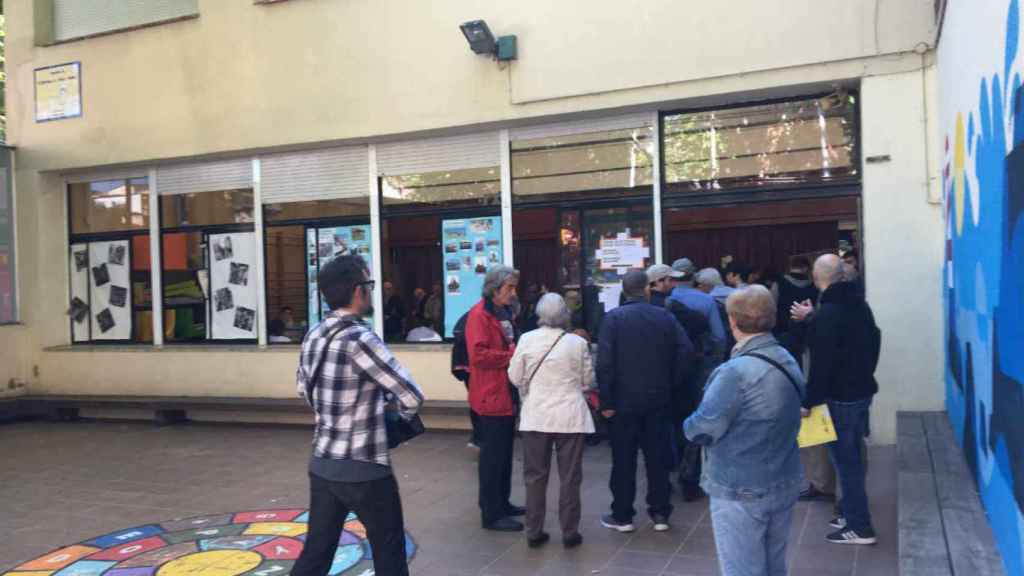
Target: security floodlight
482,41
479,36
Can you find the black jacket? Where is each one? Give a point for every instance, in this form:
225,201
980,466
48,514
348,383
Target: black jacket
845,344
460,356
695,324
643,357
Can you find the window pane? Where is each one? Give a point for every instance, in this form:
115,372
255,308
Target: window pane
789,143
111,296
186,283
336,208
207,208
448,189
411,258
583,165
286,283
109,206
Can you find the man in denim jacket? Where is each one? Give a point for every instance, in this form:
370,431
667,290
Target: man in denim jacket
748,422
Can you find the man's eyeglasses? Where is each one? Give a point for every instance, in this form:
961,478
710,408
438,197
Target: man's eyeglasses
369,283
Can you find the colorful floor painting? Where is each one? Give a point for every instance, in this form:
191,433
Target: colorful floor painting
256,543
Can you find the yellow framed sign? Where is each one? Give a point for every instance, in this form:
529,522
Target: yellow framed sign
58,91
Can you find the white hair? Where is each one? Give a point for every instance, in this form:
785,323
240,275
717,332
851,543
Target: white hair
552,312
708,277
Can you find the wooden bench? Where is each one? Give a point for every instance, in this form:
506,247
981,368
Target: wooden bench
943,529
174,409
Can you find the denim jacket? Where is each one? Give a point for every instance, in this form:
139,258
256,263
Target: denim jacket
748,423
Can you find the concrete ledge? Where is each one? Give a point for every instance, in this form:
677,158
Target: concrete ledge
173,409
943,529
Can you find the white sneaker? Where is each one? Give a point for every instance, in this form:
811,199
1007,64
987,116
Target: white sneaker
838,523
661,527
612,524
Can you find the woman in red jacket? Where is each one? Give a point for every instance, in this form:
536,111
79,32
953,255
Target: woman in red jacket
490,342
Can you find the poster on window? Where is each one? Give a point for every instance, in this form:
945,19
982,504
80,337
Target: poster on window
110,304
78,307
233,286
325,244
471,247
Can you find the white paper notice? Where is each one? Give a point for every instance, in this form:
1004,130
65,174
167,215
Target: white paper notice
622,253
609,296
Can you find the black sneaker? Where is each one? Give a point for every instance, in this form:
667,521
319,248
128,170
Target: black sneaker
609,522
660,523
572,541
844,536
538,540
512,510
838,523
504,525
812,494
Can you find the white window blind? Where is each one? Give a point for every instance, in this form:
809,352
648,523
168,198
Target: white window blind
581,126
315,175
480,150
80,18
232,174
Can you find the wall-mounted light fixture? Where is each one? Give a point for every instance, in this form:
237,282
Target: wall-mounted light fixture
482,41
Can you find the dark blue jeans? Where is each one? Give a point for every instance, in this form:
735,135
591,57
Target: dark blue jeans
851,423
631,433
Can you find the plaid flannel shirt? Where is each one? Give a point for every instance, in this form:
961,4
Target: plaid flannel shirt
357,377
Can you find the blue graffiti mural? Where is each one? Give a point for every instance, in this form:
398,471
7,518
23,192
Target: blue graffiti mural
985,295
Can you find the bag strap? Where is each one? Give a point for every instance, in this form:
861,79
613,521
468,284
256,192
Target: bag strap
543,358
778,366
311,382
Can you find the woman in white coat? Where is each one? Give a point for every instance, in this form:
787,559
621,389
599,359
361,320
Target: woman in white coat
552,369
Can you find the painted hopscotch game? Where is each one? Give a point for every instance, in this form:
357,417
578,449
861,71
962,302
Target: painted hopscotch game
255,543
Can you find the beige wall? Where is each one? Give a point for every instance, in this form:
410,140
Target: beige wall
243,77
212,371
15,360
903,248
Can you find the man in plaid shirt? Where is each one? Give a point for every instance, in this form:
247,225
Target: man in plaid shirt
347,375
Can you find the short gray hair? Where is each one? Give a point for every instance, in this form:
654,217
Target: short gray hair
708,277
752,308
552,312
496,277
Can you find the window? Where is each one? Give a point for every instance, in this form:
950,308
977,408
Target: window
209,257
440,230
583,212
8,295
109,261
785,144
76,19
316,207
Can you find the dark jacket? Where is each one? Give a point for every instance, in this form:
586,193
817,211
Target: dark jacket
643,356
694,323
845,344
489,351
460,356
791,289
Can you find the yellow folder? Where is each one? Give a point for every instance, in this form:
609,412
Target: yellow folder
817,428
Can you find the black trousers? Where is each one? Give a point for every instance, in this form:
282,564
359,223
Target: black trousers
497,434
650,433
379,508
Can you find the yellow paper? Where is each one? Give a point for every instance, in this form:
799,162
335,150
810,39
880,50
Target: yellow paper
817,428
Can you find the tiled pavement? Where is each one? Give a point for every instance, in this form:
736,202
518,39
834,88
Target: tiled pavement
65,483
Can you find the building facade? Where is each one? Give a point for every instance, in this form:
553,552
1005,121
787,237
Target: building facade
184,167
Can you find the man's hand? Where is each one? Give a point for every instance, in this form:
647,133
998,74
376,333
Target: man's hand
608,413
799,311
804,412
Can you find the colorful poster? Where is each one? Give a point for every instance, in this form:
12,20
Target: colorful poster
471,247
325,244
233,286
58,92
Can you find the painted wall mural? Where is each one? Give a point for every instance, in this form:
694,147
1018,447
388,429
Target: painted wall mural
980,73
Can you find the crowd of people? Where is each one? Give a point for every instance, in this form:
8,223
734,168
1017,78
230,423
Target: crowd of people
707,372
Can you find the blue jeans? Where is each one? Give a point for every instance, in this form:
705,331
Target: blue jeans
751,535
851,423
